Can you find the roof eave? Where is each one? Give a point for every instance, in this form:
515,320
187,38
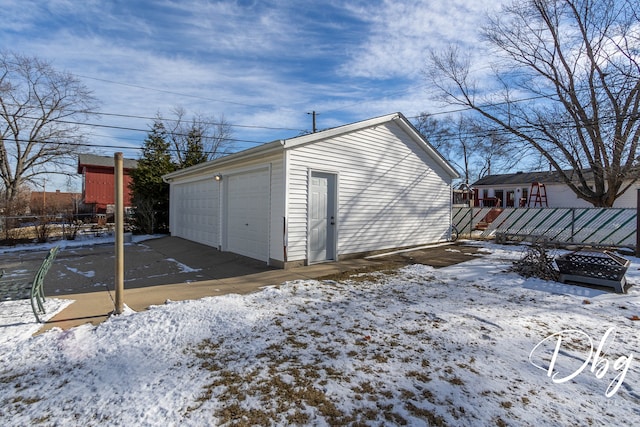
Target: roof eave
339,130
395,117
260,151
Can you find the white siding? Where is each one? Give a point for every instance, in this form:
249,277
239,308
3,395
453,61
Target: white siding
629,199
561,196
277,227
194,211
391,193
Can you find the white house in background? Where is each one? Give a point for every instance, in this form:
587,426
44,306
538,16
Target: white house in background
354,189
520,190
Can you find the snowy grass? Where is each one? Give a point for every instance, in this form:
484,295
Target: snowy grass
17,321
417,346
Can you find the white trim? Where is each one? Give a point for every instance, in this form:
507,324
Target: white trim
330,133
285,237
194,178
256,152
221,200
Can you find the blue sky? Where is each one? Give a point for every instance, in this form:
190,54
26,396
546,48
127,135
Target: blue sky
261,64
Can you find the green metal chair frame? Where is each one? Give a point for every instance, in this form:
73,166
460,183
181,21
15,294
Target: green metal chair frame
35,287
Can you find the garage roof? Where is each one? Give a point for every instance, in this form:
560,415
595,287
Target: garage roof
280,145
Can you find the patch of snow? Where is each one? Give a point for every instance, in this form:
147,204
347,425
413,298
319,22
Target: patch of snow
183,267
18,323
89,274
80,241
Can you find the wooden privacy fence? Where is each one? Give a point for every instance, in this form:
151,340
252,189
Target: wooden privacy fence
592,226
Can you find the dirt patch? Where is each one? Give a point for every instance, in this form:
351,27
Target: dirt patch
438,257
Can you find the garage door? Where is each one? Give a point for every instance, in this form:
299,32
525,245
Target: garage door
195,211
248,214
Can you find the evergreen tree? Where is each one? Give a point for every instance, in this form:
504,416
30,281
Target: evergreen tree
194,152
150,192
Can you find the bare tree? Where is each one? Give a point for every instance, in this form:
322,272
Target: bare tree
40,120
448,136
568,85
437,131
467,145
495,150
202,138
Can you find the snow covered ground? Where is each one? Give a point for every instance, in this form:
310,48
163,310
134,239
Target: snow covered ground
469,344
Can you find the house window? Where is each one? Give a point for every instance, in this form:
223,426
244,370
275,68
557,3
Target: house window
525,197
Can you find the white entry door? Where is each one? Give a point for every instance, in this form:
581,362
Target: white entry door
322,217
247,221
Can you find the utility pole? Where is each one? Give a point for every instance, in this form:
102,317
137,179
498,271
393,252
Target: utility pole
119,218
313,114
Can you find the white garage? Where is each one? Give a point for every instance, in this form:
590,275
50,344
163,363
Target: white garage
351,190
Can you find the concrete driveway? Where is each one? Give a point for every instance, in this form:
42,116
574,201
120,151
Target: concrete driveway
161,261
174,269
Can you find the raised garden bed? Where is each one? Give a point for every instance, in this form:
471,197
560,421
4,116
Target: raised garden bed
603,268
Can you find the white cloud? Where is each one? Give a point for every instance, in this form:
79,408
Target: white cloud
402,33
272,61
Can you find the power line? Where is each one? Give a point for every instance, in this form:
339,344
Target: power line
137,130
487,105
462,109
370,101
133,116
118,147
175,93
242,126
133,129
566,124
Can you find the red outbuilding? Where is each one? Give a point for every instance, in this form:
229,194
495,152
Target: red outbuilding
98,182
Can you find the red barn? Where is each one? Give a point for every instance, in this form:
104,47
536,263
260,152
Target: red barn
98,182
